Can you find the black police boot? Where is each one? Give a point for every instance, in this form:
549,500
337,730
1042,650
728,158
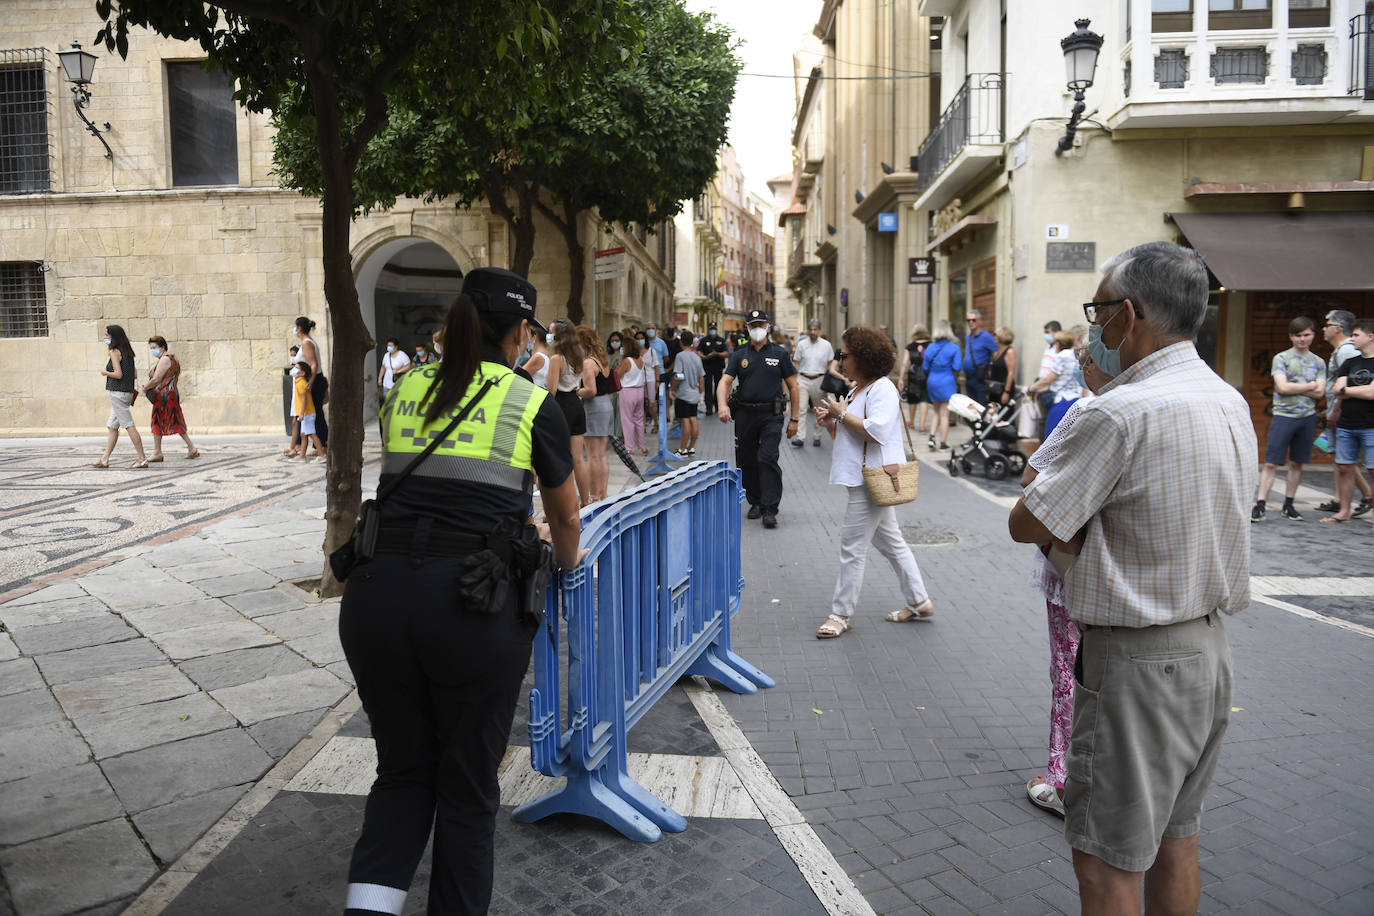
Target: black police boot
754,512
770,521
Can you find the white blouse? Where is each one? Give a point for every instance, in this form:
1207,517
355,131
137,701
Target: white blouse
881,408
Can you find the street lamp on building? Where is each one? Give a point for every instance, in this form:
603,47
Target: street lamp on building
79,66
1080,63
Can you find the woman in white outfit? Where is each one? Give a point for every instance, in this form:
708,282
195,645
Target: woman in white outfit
868,433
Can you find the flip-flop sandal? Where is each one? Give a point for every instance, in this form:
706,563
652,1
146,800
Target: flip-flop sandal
923,611
834,627
156,460
1332,520
100,464
195,454
1044,795
139,464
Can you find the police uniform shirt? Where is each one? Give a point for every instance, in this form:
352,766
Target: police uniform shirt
463,494
760,372
712,343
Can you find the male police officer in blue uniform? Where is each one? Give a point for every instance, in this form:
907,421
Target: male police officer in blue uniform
765,372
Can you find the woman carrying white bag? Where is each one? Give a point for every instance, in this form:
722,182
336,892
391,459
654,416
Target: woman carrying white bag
868,443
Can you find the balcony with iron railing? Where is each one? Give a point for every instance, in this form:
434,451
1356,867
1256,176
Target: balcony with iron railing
1362,56
967,138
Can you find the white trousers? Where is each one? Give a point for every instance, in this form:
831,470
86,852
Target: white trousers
809,395
865,522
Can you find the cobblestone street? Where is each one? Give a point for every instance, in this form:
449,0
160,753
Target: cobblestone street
178,731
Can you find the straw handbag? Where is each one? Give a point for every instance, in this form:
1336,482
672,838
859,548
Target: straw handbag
888,489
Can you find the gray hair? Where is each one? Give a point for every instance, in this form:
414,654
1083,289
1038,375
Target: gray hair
1343,318
814,323
974,313
1166,281
943,331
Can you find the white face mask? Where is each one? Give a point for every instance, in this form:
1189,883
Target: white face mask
548,340
758,335
295,372
390,348
107,341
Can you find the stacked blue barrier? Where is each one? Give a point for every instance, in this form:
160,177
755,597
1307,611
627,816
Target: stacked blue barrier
651,603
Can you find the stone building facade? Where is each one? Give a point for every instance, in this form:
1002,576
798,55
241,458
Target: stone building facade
183,232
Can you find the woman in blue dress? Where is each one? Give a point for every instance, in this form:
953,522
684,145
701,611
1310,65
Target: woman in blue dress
942,360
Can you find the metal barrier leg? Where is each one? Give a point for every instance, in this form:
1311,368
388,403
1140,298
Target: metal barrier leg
587,794
662,461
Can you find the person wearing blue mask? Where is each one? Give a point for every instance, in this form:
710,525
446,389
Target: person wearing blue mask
1148,503
1046,364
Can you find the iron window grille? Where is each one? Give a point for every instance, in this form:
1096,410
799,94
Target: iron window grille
1171,68
23,300
1309,65
1240,65
24,165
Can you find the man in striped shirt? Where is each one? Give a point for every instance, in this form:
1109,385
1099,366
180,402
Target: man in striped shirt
1150,491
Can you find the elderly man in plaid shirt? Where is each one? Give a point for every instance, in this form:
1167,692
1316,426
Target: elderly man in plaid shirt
1149,496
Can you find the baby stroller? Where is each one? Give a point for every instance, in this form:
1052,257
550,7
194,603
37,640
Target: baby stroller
994,438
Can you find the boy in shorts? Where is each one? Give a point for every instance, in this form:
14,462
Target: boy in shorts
1299,380
1355,424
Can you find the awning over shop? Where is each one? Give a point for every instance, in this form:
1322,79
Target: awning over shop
1295,250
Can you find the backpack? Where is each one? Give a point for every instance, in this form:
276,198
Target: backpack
916,376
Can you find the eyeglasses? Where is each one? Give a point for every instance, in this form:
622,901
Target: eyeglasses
839,357
1094,310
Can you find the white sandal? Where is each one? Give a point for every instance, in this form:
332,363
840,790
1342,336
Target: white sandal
834,626
1044,795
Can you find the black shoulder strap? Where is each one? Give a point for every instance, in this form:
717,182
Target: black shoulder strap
434,443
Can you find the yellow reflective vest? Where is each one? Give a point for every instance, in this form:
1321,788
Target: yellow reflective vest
493,446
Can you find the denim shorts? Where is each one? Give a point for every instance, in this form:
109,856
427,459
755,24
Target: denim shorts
1348,445
1290,438
1150,708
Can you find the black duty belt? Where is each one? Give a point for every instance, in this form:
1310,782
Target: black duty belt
755,405
438,541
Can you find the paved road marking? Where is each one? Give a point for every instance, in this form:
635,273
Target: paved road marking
693,786
832,885
1313,615
1354,586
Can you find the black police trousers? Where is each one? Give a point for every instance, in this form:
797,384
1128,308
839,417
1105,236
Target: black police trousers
758,434
439,683
712,379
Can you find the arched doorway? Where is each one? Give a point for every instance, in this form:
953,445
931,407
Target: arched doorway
405,289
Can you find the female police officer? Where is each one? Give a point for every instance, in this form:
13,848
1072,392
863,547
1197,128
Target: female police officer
439,677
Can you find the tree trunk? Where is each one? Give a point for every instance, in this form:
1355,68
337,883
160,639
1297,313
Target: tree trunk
343,480
577,267
521,223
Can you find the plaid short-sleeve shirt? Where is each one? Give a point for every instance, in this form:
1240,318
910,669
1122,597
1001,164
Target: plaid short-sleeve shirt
1160,468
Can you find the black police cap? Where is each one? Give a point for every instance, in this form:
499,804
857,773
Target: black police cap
502,292
755,316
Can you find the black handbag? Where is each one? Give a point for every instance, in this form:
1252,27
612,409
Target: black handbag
362,545
832,385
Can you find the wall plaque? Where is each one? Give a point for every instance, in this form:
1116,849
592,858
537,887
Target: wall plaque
1070,255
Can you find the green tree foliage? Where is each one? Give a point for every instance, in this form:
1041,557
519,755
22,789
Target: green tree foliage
638,135
336,65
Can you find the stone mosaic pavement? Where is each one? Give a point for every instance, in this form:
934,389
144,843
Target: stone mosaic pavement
141,711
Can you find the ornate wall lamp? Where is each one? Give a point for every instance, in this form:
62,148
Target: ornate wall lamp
1080,63
79,66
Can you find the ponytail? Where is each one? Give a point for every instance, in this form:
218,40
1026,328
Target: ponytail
462,336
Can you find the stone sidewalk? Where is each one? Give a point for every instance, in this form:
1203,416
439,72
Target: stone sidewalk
904,747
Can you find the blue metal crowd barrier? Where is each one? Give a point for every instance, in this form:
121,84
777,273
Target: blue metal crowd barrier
651,603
